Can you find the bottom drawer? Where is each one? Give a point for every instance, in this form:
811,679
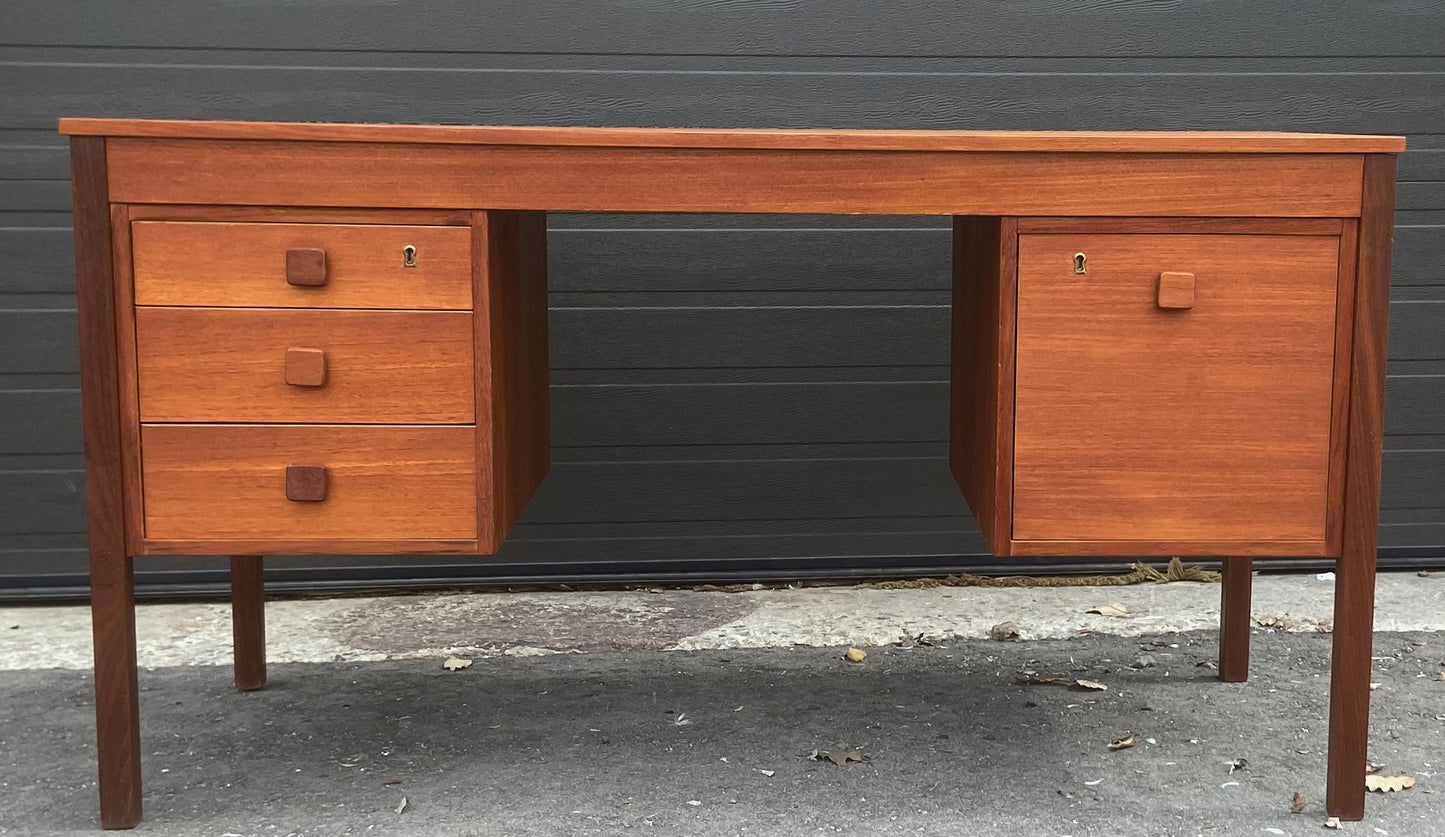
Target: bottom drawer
216,482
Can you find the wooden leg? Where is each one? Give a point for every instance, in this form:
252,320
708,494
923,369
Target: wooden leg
112,571
117,704
1350,687
1235,620
248,622
1355,569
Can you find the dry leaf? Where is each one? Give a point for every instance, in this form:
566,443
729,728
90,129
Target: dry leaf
1061,680
456,664
1145,661
1004,630
916,640
1282,621
838,757
1371,767
1332,822
1238,764
1047,679
1297,804
1117,611
1123,742
1388,784
855,655
1374,686
400,806
1150,707
1055,679
1440,676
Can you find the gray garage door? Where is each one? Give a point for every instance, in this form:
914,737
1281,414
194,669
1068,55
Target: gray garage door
746,393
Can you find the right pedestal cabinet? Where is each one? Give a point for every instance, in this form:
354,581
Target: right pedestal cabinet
1148,386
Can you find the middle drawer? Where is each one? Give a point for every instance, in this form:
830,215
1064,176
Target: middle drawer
302,366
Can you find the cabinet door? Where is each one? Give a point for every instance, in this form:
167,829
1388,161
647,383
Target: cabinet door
1177,389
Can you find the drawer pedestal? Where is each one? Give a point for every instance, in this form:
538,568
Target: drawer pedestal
405,361
1152,393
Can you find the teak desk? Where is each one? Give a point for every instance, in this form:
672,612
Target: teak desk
331,339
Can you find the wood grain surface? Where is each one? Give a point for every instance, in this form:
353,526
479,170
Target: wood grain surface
985,252
230,365
126,384
215,482
1261,547
244,264
311,546
1144,142
510,273
305,366
1340,403
1178,226
306,483
112,571
305,267
588,178
248,622
301,215
1176,290
1212,423
1235,618
1352,640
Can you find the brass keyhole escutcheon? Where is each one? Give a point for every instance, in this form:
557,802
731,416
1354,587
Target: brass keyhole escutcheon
1081,264
408,256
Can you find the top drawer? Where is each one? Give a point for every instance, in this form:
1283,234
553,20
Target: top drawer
301,265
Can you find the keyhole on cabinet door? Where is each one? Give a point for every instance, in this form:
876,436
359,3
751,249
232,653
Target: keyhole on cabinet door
408,256
1081,264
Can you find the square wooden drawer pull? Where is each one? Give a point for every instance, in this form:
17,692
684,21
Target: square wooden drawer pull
305,367
1176,290
306,266
306,483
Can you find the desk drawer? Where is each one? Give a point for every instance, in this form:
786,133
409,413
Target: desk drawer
1179,389
270,365
301,265
216,482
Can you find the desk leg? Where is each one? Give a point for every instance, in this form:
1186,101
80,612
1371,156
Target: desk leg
117,703
112,571
248,622
1235,620
1355,569
1350,687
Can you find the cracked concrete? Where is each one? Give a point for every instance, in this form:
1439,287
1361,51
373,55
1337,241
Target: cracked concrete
513,624
691,713
717,744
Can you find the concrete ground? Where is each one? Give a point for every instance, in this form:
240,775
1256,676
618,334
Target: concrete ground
715,737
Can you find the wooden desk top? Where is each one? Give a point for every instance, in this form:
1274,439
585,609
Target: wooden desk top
1216,142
